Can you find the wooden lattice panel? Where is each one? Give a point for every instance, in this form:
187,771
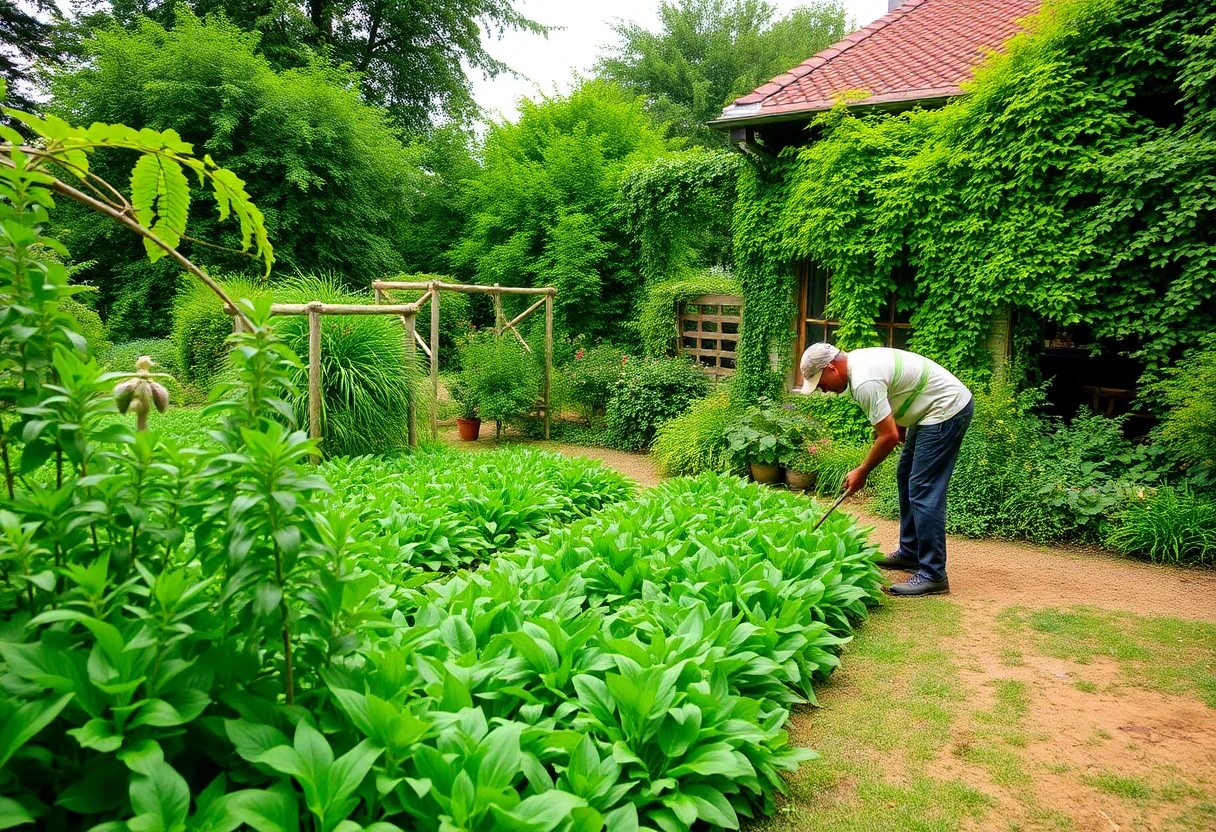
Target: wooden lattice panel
709,332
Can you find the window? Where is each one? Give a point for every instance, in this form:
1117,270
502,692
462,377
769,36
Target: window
893,324
709,332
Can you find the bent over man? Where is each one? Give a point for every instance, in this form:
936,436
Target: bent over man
911,399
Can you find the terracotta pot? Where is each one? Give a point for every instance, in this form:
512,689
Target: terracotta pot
767,474
799,481
469,428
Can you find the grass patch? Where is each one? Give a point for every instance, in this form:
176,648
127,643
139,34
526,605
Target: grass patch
1128,788
884,720
1162,654
1085,687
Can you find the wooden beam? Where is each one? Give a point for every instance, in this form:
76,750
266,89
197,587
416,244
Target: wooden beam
497,311
411,358
461,287
434,360
548,354
527,311
314,375
341,308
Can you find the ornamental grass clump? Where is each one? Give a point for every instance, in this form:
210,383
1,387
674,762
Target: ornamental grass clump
1166,525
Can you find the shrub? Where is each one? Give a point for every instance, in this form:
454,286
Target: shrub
1169,525
839,415
365,383
832,461
201,327
88,324
696,441
1189,390
498,380
649,393
591,378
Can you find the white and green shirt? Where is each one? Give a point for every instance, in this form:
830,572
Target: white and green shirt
914,389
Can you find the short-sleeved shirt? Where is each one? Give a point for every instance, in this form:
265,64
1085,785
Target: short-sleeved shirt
874,386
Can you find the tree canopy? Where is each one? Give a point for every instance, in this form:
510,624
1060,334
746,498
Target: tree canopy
543,208
412,57
710,51
325,167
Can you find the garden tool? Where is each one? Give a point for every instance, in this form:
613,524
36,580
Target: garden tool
828,513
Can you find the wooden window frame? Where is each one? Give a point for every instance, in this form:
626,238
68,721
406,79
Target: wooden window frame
700,354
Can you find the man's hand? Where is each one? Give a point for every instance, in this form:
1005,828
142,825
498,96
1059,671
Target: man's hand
855,480
903,435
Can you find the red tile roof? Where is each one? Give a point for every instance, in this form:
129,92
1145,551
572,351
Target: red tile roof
922,50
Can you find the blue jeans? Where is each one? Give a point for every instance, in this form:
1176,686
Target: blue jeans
925,466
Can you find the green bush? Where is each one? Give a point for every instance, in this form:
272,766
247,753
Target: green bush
89,325
591,378
1188,427
839,415
657,316
833,460
696,441
498,379
365,382
201,327
649,393
1168,525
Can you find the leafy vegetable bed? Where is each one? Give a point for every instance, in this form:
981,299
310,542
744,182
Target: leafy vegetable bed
631,671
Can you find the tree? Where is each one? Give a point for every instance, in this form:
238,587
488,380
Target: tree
411,56
543,211
708,52
24,39
436,212
325,167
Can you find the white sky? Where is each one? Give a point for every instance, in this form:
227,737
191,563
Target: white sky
551,64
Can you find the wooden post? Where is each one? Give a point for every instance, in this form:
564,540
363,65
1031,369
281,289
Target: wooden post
497,312
314,374
411,361
548,355
434,362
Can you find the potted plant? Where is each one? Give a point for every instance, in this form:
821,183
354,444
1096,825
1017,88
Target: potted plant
763,435
467,421
800,470
498,379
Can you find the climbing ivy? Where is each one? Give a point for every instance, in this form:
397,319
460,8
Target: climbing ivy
1076,182
657,318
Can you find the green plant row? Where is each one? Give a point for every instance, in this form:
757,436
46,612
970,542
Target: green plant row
444,508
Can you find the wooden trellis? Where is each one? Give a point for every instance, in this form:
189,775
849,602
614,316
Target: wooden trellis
408,312
432,291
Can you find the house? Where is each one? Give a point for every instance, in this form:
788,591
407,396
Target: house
917,55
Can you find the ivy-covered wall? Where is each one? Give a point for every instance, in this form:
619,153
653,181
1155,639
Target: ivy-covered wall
1075,183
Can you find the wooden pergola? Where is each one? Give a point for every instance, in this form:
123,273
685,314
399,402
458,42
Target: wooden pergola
408,312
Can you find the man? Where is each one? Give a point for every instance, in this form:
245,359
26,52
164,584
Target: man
903,393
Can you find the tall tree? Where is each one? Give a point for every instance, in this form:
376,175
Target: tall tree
543,210
24,38
707,52
412,55
325,167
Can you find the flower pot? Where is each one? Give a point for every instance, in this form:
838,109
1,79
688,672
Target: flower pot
799,481
469,428
767,474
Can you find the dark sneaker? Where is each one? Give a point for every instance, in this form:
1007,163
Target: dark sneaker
897,561
918,584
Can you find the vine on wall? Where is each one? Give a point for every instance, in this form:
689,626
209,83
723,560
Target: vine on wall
1077,180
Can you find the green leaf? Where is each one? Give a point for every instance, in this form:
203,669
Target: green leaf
273,810
98,734
13,814
501,764
538,813
161,794
29,719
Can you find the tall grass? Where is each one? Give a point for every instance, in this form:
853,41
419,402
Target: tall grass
1170,525
695,442
366,385
201,327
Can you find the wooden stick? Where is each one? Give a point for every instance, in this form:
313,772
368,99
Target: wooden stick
548,354
434,360
526,312
314,376
497,311
515,332
422,343
411,359
341,308
463,288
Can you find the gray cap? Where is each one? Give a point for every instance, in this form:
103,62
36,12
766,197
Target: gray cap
814,360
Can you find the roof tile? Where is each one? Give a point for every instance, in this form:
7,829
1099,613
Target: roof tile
923,49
